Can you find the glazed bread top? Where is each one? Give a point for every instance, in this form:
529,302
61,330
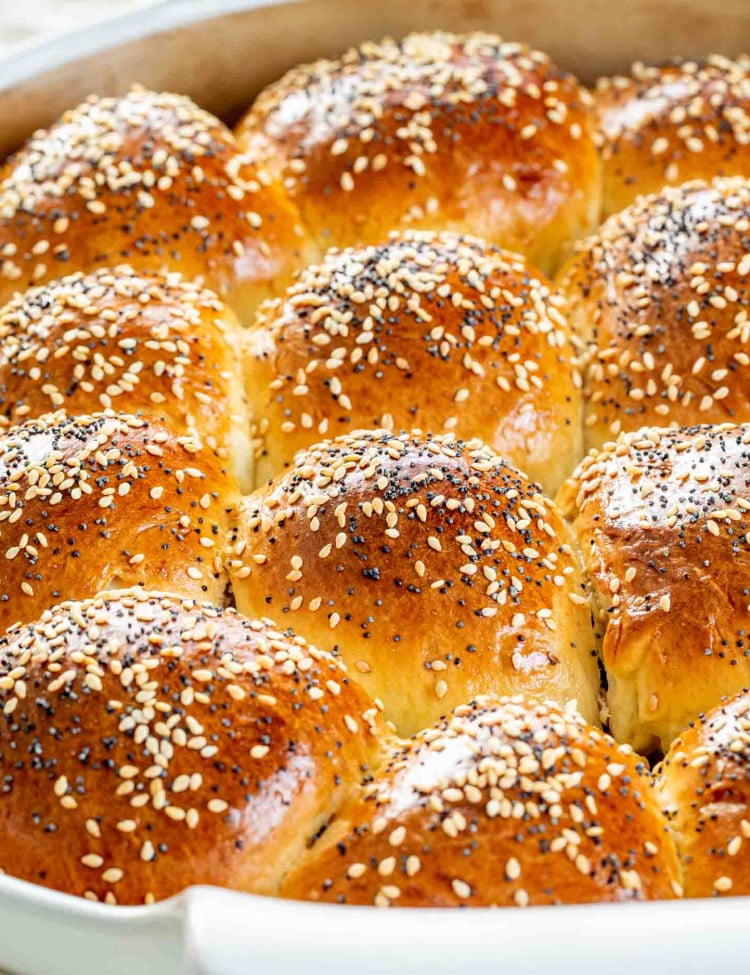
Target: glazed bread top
430,331
436,570
106,501
667,124
662,518
405,387
150,180
704,787
502,803
458,132
140,343
159,742
660,292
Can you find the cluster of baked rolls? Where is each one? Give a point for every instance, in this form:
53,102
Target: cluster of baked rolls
286,604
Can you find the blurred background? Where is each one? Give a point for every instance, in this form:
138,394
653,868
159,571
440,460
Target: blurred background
26,20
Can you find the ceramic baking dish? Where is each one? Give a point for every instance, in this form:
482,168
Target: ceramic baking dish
221,52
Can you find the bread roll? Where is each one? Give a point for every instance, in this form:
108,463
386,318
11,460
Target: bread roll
149,344
662,518
661,294
158,742
149,180
503,803
108,501
467,133
432,567
429,331
704,787
672,123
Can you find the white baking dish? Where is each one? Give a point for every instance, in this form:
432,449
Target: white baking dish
221,52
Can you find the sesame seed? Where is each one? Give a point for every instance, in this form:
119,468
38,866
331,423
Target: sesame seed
461,888
512,869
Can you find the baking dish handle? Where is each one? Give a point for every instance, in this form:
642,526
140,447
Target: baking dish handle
44,932
233,934
208,931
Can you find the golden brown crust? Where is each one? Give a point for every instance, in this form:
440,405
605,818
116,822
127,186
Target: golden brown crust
669,124
435,569
149,180
662,520
504,803
149,742
108,501
151,344
429,331
661,292
460,132
704,787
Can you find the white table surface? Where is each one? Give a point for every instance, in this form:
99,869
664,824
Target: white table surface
23,21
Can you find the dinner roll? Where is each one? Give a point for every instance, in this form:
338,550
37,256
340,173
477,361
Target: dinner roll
661,293
150,180
662,517
438,131
435,569
433,331
668,124
704,786
107,501
141,343
151,742
503,803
